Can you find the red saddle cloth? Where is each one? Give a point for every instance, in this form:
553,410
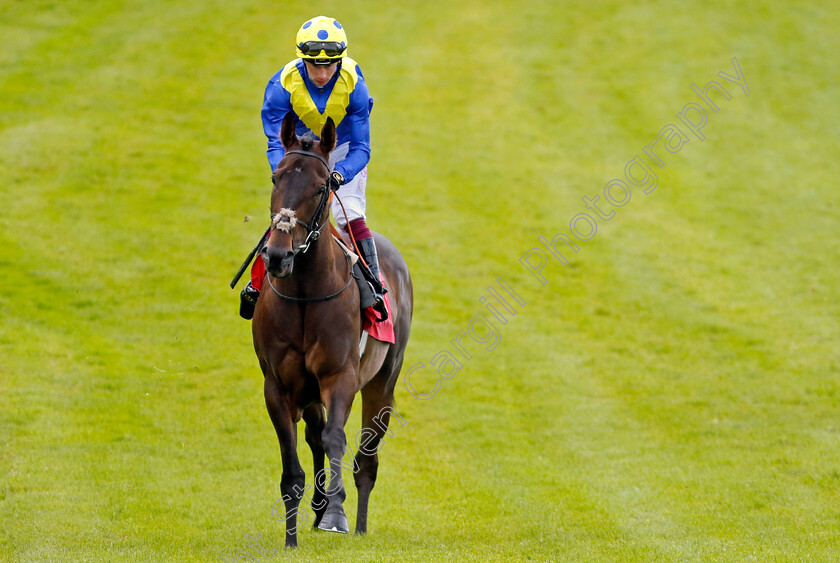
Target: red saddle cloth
382,331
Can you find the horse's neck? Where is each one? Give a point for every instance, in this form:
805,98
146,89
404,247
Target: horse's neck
320,263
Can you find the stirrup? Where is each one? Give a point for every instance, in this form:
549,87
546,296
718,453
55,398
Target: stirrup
374,281
380,307
248,301
380,288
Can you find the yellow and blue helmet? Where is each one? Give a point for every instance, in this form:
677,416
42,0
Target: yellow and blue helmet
321,41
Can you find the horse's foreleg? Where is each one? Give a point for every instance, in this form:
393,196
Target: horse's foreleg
315,420
292,482
335,443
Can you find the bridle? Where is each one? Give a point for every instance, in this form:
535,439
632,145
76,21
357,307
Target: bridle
313,232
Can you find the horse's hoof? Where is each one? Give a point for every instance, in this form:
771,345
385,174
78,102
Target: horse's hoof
334,521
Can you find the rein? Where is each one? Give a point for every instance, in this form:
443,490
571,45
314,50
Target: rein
315,299
313,233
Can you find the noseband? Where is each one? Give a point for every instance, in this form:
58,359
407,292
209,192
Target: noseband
313,232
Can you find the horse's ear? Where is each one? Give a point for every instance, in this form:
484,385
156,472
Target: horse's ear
287,131
328,136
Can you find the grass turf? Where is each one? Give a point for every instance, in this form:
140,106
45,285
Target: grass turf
670,394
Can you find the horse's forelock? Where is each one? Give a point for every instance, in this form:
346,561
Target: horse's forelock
307,142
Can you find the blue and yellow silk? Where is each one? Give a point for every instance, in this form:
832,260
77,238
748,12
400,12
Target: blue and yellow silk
345,98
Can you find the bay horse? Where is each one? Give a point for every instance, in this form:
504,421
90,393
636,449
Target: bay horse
306,328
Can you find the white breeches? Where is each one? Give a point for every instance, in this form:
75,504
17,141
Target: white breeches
352,193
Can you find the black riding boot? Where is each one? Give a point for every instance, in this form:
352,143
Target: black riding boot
368,248
247,301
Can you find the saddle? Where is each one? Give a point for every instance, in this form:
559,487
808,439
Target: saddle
361,274
371,321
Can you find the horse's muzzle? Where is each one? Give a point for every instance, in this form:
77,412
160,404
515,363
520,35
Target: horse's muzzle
278,265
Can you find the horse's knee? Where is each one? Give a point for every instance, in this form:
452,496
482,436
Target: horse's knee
292,485
367,467
333,440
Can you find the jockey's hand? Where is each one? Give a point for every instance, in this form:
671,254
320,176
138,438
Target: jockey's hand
336,180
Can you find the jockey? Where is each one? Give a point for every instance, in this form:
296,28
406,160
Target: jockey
324,82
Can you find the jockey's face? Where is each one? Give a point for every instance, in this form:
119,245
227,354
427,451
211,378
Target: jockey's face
320,74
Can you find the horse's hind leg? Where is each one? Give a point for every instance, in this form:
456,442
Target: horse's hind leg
315,420
292,482
377,401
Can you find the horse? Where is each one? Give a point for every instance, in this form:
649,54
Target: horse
306,332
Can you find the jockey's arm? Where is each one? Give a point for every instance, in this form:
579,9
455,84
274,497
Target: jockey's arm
358,120
276,104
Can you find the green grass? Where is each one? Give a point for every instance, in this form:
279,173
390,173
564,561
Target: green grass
671,394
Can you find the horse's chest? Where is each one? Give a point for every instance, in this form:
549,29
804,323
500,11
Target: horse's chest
316,353
325,357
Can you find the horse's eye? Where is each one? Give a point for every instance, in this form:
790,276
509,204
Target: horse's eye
320,191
